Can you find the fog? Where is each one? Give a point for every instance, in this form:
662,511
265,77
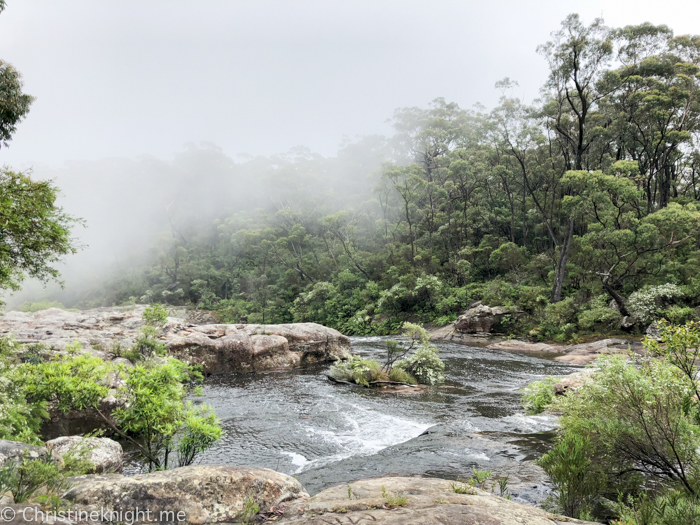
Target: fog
144,109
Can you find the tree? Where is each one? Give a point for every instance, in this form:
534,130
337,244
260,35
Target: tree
34,232
578,81
14,104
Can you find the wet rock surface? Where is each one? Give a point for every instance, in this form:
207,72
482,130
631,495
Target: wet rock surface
427,502
219,348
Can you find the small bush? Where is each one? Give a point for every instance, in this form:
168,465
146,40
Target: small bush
25,478
250,509
155,316
645,303
148,344
568,465
678,314
402,376
463,488
538,395
425,365
599,317
358,370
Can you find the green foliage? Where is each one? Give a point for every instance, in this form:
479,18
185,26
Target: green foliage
15,104
539,395
425,365
401,376
480,477
644,304
200,430
36,233
155,316
599,317
678,314
153,414
147,344
633,428
20,420
568,465
25,478
358,370
674,508
415,362
41,305
250,510
463,488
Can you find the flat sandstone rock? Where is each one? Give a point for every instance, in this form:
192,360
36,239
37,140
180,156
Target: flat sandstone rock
429,501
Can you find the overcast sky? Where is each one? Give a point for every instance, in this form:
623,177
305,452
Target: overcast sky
131,77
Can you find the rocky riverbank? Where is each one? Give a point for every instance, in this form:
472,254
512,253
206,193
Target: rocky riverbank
479,326
218,348
216,494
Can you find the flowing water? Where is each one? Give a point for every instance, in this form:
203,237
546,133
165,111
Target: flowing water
326,434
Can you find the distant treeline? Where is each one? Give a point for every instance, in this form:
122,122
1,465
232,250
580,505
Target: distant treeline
581,210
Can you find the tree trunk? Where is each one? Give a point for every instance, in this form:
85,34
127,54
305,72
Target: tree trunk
564,249
619,300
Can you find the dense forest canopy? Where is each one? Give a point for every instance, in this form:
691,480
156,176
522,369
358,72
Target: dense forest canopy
574,209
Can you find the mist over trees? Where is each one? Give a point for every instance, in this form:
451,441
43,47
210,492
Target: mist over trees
564,208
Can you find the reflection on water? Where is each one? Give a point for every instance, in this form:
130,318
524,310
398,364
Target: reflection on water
300,423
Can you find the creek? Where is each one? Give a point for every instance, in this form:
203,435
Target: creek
300,423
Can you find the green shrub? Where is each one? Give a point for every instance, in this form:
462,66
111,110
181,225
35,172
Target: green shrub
602,317
425,365
678,314
673,508
644,304
155,316
358,370
539,395
154,417
402,376
422,366
500,293
568,465
632,428
250,510
147,344
25,478
19,420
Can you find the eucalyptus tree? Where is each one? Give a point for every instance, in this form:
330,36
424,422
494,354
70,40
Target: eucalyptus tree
579,79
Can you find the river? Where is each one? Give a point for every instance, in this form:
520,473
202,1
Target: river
326,434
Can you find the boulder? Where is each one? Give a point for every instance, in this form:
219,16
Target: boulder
106,454
429,501
221,349
572,382
15,450
653,331
198,494
481,319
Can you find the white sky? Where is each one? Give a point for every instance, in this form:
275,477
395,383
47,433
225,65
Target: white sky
130,77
